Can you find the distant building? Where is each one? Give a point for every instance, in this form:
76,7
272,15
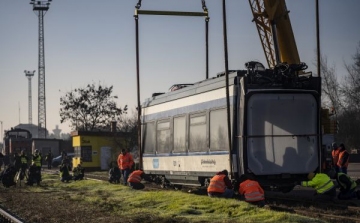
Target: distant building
21,139
46,145
65,136
56,132
32,128
97,150
16,140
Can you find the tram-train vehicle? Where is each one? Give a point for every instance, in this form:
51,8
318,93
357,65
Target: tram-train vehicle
274,121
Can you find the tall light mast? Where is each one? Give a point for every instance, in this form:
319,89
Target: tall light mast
29,75
40,8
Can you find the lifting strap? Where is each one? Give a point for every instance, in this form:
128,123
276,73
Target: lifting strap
172,13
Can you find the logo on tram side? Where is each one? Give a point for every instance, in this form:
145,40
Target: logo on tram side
208,161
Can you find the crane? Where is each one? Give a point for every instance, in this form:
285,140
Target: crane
277,38
276,35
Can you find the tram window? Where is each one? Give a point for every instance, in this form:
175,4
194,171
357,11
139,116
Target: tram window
180,134
149,137
218,130
163,137
197,134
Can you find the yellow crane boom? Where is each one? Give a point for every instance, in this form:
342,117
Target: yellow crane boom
276,35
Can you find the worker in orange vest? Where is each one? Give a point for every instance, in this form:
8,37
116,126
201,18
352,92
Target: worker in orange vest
251,190
335,155
125,162
343,161
135,178
220,185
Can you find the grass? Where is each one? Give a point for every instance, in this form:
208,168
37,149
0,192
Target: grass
162,205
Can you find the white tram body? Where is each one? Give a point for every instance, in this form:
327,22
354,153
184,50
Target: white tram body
275,130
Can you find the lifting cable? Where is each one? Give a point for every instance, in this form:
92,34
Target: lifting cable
227,89
172,13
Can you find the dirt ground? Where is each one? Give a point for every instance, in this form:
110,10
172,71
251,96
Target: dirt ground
50,207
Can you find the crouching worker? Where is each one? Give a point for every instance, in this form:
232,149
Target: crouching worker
346,184
65,172
220,185
7,176
114,174
251,190
34,175
322,184
78,172
135,178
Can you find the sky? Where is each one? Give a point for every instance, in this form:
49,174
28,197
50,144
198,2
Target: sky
89,41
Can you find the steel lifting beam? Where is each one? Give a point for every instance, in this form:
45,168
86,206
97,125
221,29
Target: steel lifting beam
173,13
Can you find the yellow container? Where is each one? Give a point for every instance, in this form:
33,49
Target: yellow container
96,150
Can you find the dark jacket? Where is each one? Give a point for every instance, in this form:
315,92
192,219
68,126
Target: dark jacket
49,157
64,170
17,161
345,182
115,171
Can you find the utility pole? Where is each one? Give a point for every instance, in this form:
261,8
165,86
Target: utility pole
2,140
29,75
40,7
19,112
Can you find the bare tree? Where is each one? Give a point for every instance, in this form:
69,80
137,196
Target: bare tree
349,119
351,86
90,108
331,97
129,126
344,97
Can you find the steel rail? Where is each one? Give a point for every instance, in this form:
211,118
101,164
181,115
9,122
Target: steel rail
313,214
309,202
6,217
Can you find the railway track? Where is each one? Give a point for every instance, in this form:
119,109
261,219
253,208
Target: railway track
328,217
331,212
7,217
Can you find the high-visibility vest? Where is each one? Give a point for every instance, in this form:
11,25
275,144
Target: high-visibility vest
335,156
353,183
77,171
37,160
135,177
23,159
321,183
341,159
125,161
217,184
252,191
